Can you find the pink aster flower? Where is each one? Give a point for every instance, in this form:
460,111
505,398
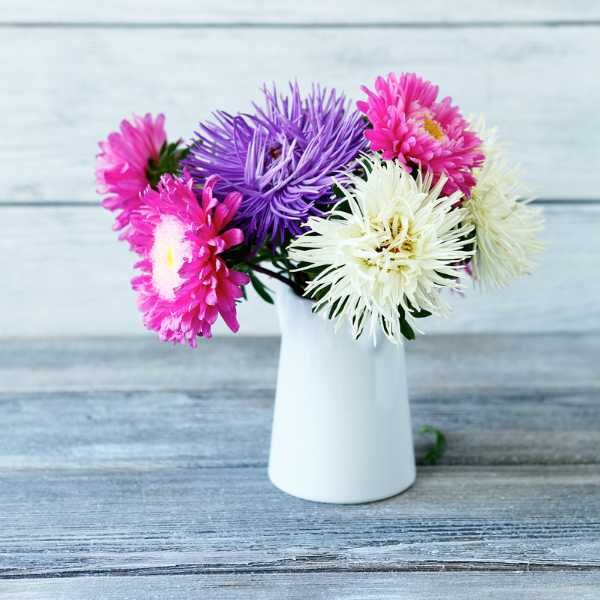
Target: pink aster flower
185,284
409,125
122,164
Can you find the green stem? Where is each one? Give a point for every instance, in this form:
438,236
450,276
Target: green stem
259,269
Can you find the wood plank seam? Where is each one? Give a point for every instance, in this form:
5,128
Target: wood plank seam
492,24
258,568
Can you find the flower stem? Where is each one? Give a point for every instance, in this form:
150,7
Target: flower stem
256,267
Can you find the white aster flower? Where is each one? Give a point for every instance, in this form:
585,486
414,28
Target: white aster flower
506,229
399,245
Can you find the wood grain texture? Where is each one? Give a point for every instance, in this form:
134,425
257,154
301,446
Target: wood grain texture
72,278
308,12
328,586
153,521
216,428
124,462
437,364
212,408
68,87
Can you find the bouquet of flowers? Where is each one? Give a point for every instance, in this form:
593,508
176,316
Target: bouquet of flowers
371,213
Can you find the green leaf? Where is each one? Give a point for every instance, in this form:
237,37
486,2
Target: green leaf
406,330
435,453
337,306
420,314
338,192
260,288
168,160
417,314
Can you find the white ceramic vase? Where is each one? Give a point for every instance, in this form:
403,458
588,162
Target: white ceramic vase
341,426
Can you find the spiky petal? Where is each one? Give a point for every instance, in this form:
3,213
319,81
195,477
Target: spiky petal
121,168
398,247
185,284
410,125
507,228
283,158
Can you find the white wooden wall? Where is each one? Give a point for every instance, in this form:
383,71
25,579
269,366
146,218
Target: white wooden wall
70,70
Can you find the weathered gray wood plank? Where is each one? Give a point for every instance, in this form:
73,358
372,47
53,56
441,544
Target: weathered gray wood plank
328,586
500,400
308,12
72,278
437,364
513,75
113,476
224,520
231,427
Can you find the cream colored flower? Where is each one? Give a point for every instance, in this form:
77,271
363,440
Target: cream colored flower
391,246
506,229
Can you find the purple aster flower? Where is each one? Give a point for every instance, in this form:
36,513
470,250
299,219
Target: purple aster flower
283,159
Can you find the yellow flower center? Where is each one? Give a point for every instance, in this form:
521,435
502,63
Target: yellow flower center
433,128
397,244
407,246
170,258
169,251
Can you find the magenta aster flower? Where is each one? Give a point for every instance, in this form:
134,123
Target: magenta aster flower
283,159
122,164
185,283
408,124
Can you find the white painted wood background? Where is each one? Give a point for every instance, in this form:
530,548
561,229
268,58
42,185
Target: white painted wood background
71,70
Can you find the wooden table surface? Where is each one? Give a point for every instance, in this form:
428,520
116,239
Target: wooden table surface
131,469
